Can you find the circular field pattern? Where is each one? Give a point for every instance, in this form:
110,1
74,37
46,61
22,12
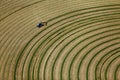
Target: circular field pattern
80,41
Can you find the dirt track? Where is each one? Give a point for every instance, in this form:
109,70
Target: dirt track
80,42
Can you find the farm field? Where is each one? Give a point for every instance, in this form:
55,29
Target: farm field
81,40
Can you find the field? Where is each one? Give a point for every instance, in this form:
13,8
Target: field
80,42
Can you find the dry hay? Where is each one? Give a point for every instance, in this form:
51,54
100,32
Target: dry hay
80,42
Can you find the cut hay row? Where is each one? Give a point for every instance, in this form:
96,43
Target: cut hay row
9,7
79,44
